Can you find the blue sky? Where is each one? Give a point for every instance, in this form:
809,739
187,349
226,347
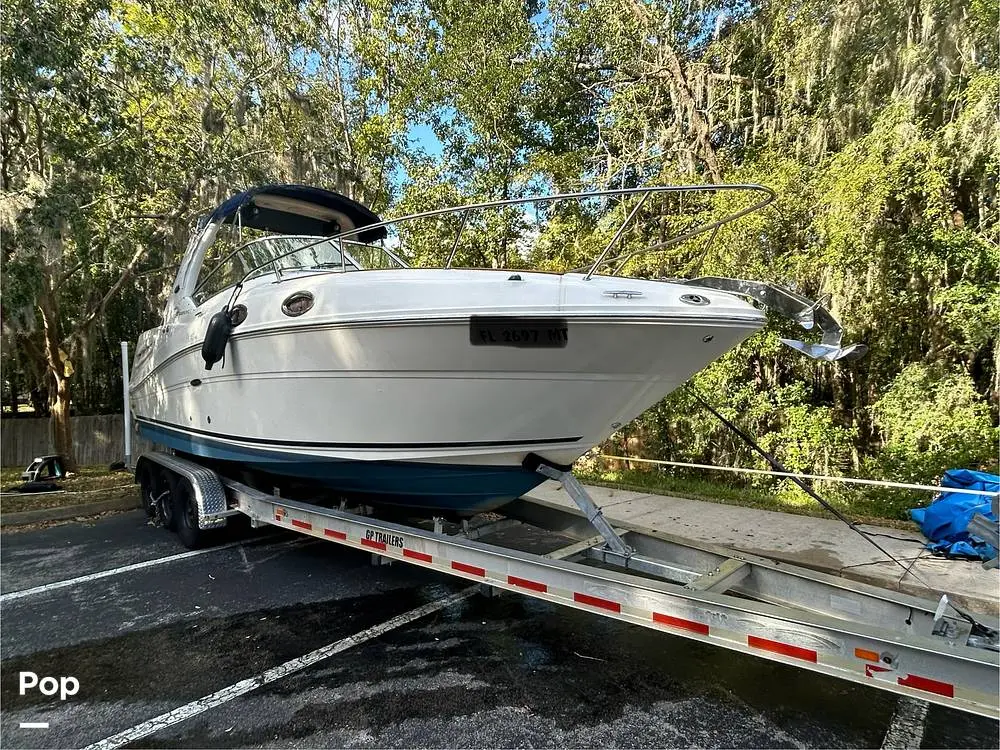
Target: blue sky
423,137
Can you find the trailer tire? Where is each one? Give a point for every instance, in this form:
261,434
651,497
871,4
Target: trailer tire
163,486
186,514
144,478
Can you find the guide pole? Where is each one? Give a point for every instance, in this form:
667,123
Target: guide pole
126,411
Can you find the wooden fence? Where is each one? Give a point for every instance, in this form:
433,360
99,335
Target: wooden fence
96,440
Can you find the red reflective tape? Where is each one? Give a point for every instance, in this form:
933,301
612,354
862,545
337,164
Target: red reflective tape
472,569
335,534
302,524
926,683
596,601
679,622
417,555
785,649
524,583
373,544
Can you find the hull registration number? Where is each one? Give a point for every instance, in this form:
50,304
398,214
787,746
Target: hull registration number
546,333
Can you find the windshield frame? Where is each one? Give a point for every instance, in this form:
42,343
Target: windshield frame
768,197
346,260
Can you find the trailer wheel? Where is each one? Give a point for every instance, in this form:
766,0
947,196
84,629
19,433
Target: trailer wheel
163,486
144,476
186,513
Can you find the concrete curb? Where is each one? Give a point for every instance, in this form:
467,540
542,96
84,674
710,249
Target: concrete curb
63,513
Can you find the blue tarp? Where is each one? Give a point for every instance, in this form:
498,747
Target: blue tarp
944,521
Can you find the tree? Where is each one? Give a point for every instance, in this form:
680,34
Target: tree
62,110
123,120
876,126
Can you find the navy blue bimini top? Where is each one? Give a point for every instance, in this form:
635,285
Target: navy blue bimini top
293,222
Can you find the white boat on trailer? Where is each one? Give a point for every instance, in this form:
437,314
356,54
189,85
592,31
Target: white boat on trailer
312,357
449,391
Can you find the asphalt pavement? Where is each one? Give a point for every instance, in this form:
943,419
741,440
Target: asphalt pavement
211,645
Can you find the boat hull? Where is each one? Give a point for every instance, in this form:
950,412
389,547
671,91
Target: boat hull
463,489
409,409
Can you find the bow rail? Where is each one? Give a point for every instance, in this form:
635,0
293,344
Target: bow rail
780,299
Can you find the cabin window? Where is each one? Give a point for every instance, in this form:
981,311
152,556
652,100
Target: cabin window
277,256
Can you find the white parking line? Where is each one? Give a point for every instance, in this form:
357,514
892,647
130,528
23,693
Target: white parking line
124,569
34,725
243,687
906,729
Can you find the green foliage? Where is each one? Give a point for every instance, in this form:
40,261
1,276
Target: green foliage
932,420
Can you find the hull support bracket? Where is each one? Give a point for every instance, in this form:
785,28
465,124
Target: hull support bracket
585,503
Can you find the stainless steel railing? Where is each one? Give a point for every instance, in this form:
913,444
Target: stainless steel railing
767,196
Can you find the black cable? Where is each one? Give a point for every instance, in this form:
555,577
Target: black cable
778,466
897,538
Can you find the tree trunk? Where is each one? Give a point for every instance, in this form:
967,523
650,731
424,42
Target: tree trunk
697,124
62,431
62,427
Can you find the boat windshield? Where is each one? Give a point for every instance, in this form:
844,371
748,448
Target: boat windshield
276,255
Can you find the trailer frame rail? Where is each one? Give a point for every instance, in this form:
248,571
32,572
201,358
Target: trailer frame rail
906,645
934,665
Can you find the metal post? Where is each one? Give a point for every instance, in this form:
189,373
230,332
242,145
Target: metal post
584,502
454,246
127,411
618,234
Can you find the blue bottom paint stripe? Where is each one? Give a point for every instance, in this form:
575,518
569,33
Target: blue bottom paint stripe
516,443
453,487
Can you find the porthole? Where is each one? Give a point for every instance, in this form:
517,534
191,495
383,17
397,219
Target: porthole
237,315
297,303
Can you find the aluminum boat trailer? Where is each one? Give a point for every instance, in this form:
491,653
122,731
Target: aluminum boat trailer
914,647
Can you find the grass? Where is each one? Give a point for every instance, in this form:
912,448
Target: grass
881,508
91,484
